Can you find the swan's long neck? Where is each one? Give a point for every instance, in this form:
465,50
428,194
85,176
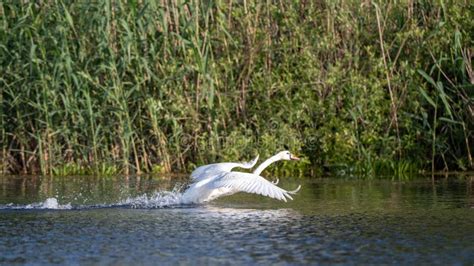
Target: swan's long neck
265,164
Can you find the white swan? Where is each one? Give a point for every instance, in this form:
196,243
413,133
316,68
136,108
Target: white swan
222,182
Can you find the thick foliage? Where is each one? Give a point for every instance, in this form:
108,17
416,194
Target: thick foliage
142,86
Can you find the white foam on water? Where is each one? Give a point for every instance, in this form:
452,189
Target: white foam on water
48,204
158,199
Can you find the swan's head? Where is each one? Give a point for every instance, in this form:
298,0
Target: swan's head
287,156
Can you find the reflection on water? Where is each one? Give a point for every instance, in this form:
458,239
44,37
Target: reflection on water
125,221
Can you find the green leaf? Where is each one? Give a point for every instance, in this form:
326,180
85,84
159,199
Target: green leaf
68,16
427,97
449,120
444,99
427,77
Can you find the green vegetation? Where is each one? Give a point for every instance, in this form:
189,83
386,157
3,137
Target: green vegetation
157,86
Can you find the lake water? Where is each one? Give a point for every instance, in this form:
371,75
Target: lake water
119,221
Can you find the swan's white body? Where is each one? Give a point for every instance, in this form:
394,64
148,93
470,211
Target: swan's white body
216,180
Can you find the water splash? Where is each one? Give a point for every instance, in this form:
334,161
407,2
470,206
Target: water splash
48,204
158,199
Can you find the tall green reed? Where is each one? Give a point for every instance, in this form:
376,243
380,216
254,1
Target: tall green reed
135,86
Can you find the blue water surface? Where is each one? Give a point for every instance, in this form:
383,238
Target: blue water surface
123,221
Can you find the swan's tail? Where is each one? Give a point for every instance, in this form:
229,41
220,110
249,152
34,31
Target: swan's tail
276,181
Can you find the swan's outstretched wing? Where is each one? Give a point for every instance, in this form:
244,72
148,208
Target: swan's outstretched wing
251,183
210,170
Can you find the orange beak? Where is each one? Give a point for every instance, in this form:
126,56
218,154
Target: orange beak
294,158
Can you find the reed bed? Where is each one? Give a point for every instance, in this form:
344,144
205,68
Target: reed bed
115,86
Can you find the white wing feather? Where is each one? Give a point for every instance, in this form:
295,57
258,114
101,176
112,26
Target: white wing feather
250,183
210,170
